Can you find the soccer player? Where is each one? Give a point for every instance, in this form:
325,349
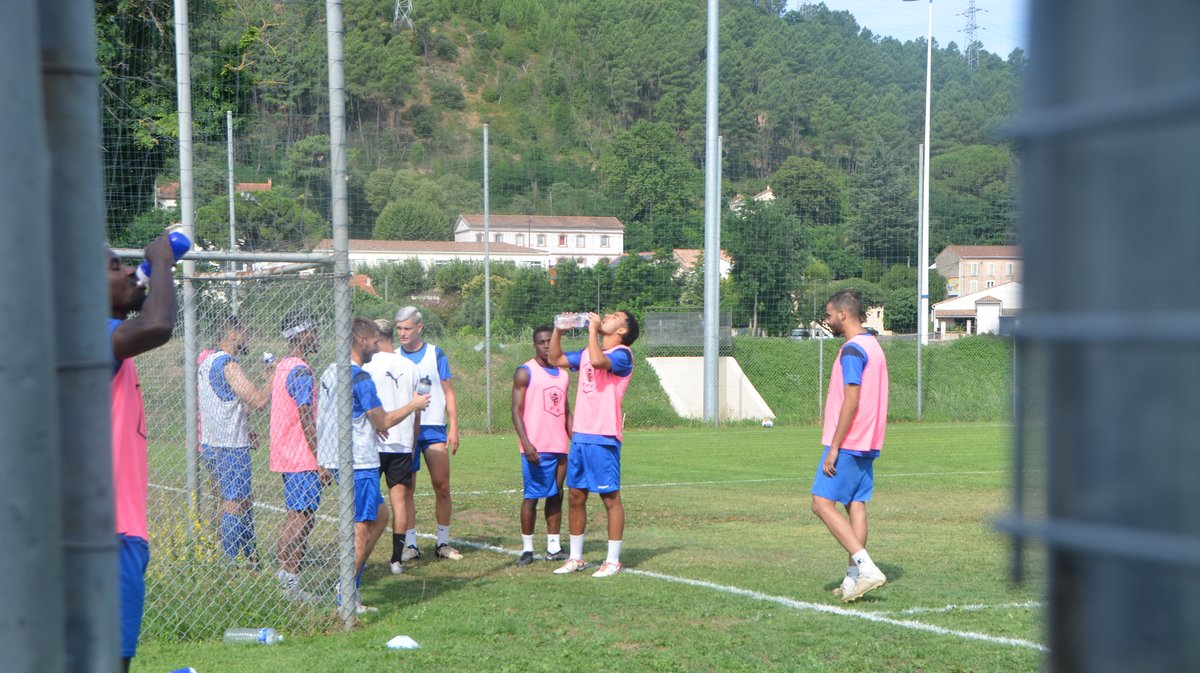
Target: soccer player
294,445
395,378
368,419
224,395
541,416
438,437
594,464
855,422
149,329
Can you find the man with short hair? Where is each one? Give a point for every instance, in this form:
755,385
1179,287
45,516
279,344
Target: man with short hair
395,378
129,337
368,420
541,416
224,395
856,409
594,464
294,445
438,437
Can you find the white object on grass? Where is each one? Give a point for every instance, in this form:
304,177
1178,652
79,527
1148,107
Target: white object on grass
402,643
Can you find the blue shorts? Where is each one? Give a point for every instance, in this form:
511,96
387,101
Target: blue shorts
429,435
367,496
594,467
231,470
541,479
854,481
133,555
301,491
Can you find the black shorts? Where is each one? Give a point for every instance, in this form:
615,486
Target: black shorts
397,468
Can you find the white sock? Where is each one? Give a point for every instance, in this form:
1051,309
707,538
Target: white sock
526,543
553,544
852,571
614,552
865,565
443,535
410,537
576,544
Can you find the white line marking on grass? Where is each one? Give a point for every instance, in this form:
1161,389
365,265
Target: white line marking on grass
963,608
843,612
878,617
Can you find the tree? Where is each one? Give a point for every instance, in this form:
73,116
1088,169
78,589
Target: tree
809,188
412,221
647,172
769,250
272,220
971,197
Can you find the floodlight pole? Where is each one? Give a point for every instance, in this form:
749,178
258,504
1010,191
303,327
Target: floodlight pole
712,232
923,272
487,285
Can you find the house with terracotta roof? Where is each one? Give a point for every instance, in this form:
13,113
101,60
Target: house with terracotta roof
971,268
978,312
244,188
166,196
738,202
369,252
586,240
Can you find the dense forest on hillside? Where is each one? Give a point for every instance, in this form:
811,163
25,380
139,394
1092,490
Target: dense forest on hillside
595,107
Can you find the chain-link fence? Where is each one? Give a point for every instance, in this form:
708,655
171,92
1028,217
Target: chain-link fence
221,531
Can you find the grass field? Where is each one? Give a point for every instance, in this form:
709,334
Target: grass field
727,570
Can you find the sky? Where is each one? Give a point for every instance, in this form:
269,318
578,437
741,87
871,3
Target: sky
1002,24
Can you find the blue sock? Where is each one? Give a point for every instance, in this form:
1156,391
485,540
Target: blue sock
248,543
231,534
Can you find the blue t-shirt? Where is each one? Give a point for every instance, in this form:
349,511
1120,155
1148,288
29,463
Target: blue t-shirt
443,364
621,359
300,386
218,380
112,327
622,365
854,361
363,394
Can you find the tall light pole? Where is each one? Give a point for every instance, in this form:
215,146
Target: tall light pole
923,235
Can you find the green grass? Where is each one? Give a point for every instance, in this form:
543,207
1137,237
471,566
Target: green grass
749,527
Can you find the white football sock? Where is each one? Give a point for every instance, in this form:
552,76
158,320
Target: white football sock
526,543
553,544
410,537
576,544
614,552
443,535
865,565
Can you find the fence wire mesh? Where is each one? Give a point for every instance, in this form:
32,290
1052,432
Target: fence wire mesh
219,541
594,111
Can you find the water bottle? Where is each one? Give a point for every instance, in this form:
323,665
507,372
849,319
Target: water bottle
570,320
268,358
424,385
265,636
179,247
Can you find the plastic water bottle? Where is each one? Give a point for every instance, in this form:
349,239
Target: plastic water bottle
570,320
179,246
264,636
424,386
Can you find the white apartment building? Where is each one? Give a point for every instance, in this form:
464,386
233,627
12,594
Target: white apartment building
587,240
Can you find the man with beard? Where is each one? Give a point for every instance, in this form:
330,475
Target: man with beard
224,395
149,329
856,410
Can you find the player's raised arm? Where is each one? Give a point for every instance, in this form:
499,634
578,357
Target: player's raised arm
595,350
557,357
251,394
155,321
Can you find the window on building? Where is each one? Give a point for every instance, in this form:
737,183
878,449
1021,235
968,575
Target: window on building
580,261
991,268
974,286
562,240
579,241
1008,269
604,241
541,240
990,284
520,239
974,268
498,238
479,238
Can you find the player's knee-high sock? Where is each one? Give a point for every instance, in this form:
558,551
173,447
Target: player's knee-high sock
231,534
397,546
249,543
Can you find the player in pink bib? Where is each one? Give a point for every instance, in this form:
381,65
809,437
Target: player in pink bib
605,368
855,423
148,330
541,416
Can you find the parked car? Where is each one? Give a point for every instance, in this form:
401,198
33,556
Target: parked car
799,334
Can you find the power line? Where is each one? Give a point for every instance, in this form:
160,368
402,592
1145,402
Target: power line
971,33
